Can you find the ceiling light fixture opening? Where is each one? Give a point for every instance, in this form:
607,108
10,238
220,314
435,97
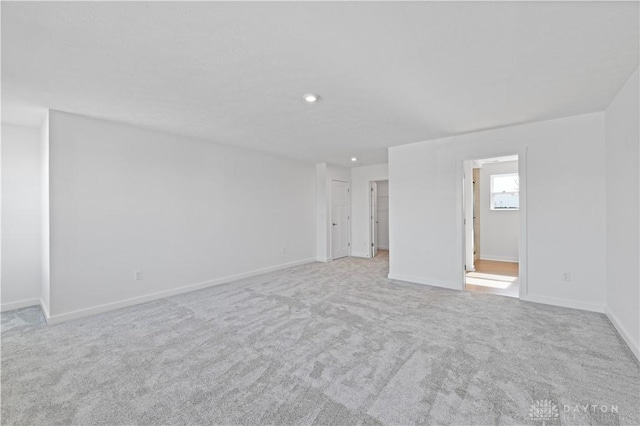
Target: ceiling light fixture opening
311,98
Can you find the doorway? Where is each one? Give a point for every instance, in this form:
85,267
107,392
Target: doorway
340,243
492,225
379,218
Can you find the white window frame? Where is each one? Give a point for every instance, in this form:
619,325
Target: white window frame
492,193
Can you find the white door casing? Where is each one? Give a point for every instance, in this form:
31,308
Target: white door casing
339,219
374,219
468,205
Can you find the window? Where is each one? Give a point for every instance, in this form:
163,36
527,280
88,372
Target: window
505,192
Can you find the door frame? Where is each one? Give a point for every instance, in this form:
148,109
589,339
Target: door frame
469,213
522,237
373,205
475,187
330,215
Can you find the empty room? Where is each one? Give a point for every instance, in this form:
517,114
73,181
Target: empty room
327,213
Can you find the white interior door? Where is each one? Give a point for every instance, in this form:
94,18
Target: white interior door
374,219
339,219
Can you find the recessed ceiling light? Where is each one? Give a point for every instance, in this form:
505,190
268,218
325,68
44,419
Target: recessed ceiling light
311,97
354,159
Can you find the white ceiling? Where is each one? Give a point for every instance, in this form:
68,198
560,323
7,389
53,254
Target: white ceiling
389,73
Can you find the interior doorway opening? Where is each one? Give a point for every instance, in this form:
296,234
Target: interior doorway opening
492,225
379,218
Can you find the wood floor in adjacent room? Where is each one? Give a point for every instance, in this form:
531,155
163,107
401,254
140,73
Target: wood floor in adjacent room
333,343
493,277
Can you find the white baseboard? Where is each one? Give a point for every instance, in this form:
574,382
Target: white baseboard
500,258
383,248
360,254
565,303
322,259
419,280
19,304
45,311
55,319
626,336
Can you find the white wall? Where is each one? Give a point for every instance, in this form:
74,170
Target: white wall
21,207
499,229
186,212
383,214
360,193
322,213
325,174
45,258
562,161
623,212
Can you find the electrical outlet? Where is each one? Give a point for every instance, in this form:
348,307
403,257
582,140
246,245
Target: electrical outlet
283,251
566,276
137,275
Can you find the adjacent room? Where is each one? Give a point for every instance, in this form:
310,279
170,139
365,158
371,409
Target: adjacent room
323,213
380,218
492,238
